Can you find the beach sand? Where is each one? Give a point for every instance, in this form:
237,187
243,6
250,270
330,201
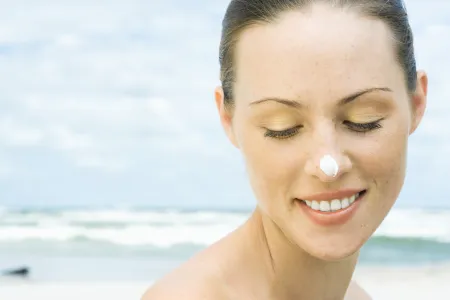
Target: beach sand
71,291
383,283
405,283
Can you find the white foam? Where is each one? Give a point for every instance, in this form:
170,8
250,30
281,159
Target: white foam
417,223
165,229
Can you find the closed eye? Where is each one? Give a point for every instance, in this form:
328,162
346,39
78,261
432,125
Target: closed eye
363,127
282,134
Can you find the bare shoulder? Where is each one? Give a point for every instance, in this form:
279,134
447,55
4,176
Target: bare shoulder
194,280
356,292
165,290
180,285
199,278
190,282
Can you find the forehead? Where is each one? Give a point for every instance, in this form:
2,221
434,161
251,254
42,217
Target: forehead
317,54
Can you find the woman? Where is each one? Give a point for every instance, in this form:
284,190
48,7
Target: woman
320,97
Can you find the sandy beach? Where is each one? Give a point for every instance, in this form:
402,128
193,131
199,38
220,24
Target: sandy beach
15,290
409,283
412,283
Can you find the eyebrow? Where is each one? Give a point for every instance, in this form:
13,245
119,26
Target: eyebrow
342,101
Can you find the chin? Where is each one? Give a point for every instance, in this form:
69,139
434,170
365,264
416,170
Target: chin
333,249
335,255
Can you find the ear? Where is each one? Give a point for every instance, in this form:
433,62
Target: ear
419,100
226,117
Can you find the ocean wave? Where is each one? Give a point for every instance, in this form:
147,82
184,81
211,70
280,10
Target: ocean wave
165,229
126,217
417,223
379,249
129,235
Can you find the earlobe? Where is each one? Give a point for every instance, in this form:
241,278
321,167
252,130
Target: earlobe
419,100
225,115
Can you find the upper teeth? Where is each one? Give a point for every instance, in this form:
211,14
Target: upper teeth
332,205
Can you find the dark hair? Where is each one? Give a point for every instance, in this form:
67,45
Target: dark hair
241,14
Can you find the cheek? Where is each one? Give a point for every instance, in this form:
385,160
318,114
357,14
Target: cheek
393,154
385,161
272,167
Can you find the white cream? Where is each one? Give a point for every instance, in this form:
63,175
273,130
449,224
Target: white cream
329,166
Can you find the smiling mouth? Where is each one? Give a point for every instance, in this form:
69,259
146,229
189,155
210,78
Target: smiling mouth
335,205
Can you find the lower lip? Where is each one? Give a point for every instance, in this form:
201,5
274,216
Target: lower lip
333,217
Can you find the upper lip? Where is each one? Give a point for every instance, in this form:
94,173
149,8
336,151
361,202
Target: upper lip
331,195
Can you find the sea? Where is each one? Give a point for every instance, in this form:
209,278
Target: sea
141,244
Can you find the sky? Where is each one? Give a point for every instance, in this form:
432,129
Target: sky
111,103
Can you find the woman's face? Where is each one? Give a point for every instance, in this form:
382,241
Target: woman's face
296,100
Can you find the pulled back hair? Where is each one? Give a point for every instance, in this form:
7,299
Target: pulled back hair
241,14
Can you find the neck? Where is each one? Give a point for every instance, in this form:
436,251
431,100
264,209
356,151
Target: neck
288,272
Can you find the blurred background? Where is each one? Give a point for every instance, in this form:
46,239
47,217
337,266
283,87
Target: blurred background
113,164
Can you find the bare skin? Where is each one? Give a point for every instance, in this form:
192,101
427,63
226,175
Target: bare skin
306,63
241,266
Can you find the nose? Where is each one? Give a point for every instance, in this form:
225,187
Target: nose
321,162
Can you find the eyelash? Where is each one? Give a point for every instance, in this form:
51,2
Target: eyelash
282,134
363,127
291,132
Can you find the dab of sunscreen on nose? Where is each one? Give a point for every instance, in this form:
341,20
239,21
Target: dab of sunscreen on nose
329,165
